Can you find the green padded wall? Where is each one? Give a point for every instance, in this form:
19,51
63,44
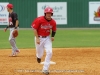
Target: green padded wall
77,11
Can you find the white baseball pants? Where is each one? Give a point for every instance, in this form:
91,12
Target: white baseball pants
45,44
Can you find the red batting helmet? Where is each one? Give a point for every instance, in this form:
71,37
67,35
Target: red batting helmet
48,9
10,6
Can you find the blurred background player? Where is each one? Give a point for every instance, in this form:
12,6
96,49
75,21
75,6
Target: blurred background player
41,27
13,25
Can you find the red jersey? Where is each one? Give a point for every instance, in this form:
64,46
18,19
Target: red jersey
98,14
43,26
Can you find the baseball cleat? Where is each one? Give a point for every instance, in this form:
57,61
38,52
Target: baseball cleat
12,55
45,72
38,60
17,51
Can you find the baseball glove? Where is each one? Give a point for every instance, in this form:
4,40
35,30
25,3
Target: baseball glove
15,33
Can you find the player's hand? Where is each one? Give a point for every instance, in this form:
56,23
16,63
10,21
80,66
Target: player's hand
5,29
52,38
37,40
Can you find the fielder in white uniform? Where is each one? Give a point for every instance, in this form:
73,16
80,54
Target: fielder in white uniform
43,40
13,24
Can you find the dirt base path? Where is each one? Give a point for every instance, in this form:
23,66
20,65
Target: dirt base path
69,61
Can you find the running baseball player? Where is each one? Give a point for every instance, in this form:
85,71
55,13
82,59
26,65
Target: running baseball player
13,25
41,27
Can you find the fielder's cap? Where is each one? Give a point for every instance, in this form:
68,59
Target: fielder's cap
10,5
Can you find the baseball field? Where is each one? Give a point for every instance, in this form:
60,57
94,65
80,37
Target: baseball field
75,52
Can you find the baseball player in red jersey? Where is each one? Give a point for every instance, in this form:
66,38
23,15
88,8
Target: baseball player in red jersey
41,27
13,25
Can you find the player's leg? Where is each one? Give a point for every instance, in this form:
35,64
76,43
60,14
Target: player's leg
13,42
48,48
39,49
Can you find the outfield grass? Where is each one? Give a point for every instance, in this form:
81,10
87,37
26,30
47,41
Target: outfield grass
63,38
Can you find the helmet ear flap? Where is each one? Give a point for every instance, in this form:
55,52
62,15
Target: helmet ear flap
52,14
44,14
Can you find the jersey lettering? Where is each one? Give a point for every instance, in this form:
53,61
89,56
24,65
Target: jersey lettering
46,26
10,21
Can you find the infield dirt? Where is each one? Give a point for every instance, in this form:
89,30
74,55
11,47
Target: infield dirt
69,61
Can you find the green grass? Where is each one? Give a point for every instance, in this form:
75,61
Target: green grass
77,38
63,38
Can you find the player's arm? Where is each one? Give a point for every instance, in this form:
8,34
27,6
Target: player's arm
52,35
35,33
17,22
35,26
5,29
16,19
53,31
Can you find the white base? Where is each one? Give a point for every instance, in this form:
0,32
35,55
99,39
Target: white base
51,62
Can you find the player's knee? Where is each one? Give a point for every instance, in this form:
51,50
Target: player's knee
49,53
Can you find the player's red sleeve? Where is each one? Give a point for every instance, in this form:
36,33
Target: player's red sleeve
35,24
54,26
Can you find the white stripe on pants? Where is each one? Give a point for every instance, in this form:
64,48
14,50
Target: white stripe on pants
45,43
